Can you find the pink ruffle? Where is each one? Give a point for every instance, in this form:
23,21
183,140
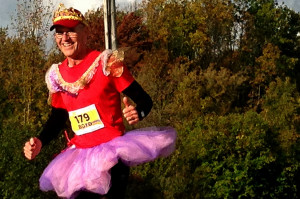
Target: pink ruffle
89,169
55,82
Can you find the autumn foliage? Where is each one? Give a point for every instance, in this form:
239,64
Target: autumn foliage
224,73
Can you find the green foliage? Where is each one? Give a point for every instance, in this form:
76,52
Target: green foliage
235,140
281,110
19,177
205,91
233,156
23,99
225,74
191,28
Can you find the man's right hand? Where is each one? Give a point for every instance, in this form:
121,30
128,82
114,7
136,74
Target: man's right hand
32,148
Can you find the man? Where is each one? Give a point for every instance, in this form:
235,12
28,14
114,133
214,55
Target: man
85,89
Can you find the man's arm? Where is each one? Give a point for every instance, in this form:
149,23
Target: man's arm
54,125
52,128
143,103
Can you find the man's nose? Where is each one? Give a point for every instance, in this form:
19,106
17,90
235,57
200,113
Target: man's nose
65,35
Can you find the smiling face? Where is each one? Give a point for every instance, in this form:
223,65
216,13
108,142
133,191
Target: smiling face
72,41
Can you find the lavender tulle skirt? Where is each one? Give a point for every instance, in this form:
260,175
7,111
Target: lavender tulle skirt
88,169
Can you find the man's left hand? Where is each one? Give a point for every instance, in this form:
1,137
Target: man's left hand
130,113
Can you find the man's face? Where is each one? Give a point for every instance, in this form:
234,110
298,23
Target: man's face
71,41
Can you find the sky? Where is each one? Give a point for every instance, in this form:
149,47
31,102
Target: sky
292,4
8,7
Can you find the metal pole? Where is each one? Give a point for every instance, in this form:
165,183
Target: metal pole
110,30
113,26
106,23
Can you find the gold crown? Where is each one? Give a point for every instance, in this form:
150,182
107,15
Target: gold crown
63,13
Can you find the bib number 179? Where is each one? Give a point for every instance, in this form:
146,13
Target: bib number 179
85,120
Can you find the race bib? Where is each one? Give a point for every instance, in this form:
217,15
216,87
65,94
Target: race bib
85,120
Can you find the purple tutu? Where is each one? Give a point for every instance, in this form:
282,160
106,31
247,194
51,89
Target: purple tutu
88,169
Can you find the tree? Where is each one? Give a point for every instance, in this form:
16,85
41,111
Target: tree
25,96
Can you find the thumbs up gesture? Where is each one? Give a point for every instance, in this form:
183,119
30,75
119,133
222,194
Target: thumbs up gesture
32,148
130,113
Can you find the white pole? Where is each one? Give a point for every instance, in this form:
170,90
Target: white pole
113,26
106,23
110,30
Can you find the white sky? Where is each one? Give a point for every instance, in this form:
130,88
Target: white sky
81,5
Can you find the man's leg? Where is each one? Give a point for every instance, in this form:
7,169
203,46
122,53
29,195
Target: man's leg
119,180
88,195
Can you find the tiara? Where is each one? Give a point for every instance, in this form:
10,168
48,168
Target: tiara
63,13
